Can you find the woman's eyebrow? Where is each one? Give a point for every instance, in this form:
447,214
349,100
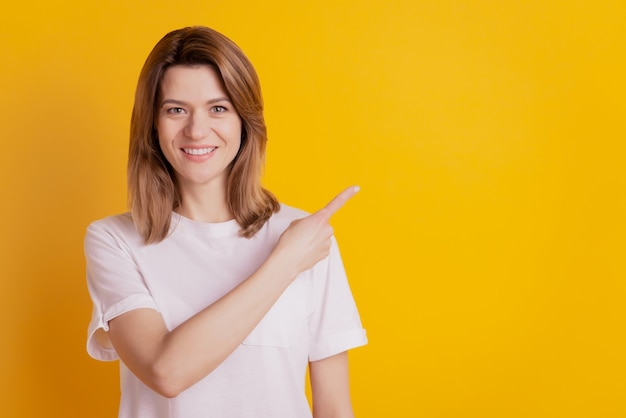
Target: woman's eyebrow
180,102
172,101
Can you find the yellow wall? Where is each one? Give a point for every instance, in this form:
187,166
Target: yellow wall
486,249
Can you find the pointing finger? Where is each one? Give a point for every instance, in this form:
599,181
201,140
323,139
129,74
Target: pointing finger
339,200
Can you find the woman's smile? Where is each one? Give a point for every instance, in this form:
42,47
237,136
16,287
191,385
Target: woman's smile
198,151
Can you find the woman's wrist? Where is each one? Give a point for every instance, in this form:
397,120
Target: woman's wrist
282,266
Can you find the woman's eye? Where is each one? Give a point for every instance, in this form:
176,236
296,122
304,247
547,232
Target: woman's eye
175,110
218,109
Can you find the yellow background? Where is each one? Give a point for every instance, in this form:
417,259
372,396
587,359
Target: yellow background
485,251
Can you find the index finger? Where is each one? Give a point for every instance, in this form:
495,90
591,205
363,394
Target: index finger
338,201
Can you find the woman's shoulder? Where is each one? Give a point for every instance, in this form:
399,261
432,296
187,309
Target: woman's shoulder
286,215
120,225
120,220
291,213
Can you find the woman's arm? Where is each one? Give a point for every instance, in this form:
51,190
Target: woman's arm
170,362
330,387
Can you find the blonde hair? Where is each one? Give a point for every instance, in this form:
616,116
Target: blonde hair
152,188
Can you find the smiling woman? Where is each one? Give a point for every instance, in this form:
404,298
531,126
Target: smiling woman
213,296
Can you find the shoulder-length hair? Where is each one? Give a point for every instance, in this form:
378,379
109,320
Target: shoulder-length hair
153,192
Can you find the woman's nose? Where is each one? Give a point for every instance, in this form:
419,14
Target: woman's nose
198,126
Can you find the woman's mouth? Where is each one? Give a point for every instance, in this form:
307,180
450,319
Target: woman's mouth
198,151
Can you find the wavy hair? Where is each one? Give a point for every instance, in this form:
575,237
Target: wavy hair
152,188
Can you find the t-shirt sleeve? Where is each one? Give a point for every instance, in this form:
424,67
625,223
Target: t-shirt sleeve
334,325
114,282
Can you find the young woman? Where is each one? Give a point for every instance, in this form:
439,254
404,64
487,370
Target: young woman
213,295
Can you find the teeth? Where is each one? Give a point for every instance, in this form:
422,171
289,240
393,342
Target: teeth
198,151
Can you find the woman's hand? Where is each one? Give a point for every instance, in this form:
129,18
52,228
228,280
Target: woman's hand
307,241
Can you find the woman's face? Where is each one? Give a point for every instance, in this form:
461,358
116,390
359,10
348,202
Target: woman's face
199,129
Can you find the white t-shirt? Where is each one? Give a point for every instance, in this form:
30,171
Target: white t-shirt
196,265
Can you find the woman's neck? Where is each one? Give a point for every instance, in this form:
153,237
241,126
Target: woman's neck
205,204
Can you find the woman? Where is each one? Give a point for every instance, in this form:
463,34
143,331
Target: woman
213,295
